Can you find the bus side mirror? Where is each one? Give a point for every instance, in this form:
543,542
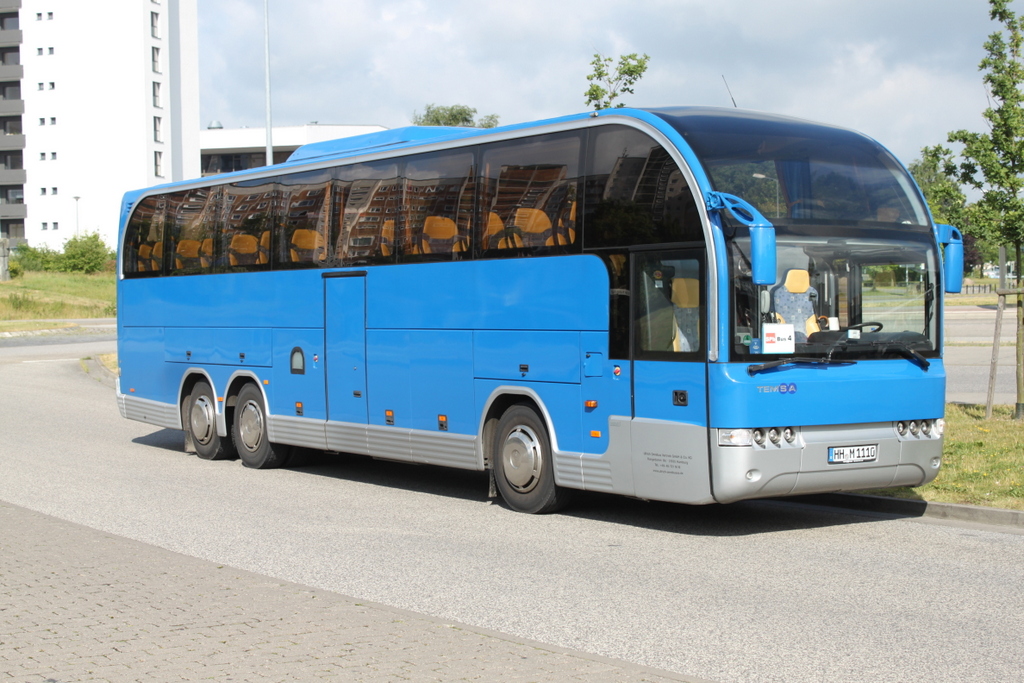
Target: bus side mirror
953,258
762,234
762,254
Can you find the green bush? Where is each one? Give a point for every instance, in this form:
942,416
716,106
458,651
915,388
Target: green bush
84,254
15,269
35,258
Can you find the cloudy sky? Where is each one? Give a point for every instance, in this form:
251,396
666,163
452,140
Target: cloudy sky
903,71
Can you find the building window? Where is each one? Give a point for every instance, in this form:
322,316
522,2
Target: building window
45,225
55,225
156,60
53,190
50,50
53,120
42,122
158,161
42,190
53,156
39,51
10,125
52,85
156,94
49,15
39,16
42,156
154,24
40,86
156,129
10,91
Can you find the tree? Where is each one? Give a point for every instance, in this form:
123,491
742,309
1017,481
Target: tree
993,162
84,254
606,84
947,201
458,115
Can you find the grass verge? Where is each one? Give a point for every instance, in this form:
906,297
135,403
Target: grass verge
983,461
40,295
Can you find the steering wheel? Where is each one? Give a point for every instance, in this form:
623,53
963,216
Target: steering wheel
858,326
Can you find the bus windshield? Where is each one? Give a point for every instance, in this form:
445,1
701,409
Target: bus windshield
837,296
857,268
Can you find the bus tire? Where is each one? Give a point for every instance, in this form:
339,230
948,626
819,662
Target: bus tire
200,420
249,432
523,466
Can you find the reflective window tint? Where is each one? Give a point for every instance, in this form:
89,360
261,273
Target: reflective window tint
248,225
438,209
635,193
307,211
373,195
529,195
192,227
143,232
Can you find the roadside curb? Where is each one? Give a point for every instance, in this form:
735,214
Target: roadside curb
916,508
95,368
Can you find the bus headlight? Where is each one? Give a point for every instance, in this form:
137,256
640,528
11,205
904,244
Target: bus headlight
901,427
926,427
734,437
774,435
789,434
914,427
940,427
759,436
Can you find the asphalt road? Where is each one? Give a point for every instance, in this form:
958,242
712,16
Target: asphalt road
765,591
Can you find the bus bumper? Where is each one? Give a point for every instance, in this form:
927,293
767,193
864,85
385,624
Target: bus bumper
803,466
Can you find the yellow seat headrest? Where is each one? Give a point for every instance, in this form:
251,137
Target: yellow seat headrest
797,281
686,292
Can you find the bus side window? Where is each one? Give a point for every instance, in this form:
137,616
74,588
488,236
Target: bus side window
438,206
528,196
636,194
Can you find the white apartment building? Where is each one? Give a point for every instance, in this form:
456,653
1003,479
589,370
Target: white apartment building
111,103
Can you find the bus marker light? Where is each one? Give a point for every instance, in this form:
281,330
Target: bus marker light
298,407
596,434
590,404
940,426
266,381
389,417
220,399
442,423
131,391
734,437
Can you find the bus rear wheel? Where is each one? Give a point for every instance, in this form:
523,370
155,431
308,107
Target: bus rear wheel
523,469
250,432
199,417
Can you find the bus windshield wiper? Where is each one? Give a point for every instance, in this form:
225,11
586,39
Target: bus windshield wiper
902,348
760,367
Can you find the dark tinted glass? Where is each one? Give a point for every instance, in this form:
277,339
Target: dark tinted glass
528,198
372,195
438,208
635,193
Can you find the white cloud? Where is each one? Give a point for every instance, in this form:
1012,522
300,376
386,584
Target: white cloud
903,72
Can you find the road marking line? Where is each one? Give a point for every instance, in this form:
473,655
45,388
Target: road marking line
50,360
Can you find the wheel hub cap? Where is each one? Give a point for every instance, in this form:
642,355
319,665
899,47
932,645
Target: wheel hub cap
250,425
202,420
521,459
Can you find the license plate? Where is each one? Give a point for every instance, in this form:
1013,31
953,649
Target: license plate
847,454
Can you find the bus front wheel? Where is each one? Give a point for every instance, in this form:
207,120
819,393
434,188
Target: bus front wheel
523,470
200,419
250,432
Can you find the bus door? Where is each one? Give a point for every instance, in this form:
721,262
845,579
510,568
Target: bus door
669,340
345,356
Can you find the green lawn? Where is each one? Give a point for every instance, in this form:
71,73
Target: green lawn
39,295
983,461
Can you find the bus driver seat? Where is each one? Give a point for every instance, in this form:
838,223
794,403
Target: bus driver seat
793,302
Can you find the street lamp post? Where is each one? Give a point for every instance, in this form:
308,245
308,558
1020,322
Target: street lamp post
76,215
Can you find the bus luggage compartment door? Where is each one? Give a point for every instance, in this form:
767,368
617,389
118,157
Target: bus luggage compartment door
345,357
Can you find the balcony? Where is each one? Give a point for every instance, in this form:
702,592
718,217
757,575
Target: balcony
11,72
9,142
10,107
10,38
13,211
14,176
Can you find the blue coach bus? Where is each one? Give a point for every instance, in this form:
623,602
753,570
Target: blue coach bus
686,304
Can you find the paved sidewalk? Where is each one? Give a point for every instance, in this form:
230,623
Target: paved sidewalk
78,604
